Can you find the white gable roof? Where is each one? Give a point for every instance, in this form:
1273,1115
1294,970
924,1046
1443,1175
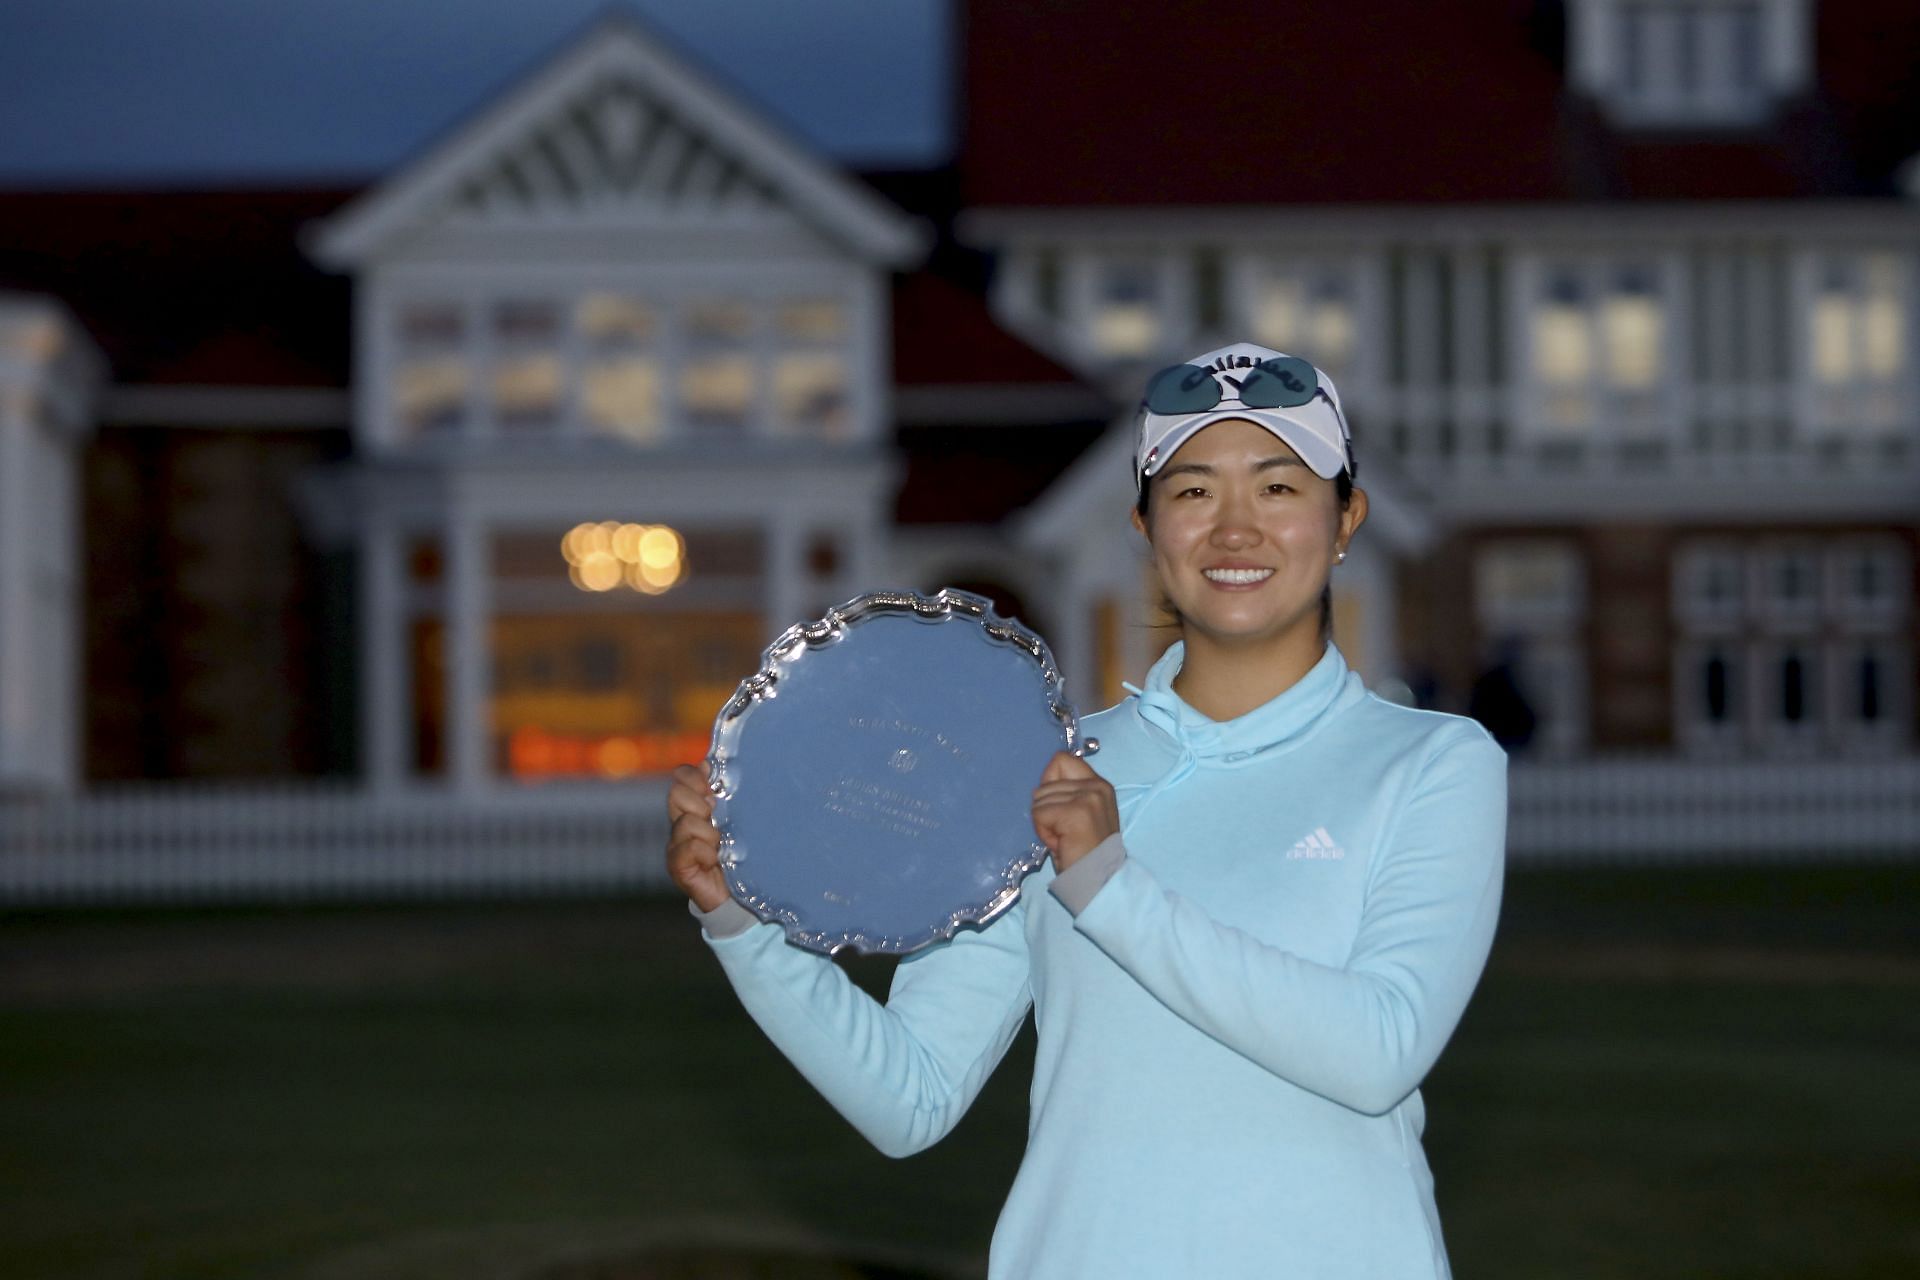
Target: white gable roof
617,130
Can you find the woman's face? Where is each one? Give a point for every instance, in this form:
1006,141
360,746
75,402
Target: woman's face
1244,534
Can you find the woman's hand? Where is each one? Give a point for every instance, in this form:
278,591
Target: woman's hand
1073,809
693,842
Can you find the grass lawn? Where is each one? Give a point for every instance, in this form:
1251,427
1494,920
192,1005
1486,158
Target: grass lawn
1686,1074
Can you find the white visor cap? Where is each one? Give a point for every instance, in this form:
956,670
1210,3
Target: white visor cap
1316,430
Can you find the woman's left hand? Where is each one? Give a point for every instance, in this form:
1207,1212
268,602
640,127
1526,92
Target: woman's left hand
1073,809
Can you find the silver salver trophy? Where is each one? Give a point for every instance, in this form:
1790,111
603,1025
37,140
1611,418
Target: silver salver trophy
874,779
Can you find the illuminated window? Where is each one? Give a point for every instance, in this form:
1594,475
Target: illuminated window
1859,335
615,320
1128,307
810,393
1598,341
614,363
1304,309
614,695
528,382
718,382
432,369
620,384
817,320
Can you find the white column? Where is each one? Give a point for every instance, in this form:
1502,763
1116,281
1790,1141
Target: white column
786,570
384,700
1472,351
1420,401
1072,644
16,602
56,583
1368,574
469,656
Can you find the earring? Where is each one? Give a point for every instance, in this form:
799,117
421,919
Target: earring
1340,557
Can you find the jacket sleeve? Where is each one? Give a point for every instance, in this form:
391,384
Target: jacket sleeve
1366,1033
902,1073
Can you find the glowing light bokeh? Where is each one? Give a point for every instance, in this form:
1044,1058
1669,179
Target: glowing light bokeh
649,558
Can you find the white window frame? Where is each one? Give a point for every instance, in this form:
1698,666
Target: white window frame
1598,63
1758,630
1776,734
1605,430
1812,398
1551,635
1889,730
1084,271
1692,606
1696,731
1886,612
1780,616
764,287
1358,273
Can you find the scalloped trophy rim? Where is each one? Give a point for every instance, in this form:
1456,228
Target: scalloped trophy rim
764,684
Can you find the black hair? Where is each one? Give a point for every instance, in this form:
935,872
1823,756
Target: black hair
1342,490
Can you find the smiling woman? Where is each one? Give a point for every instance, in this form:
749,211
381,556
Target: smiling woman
1270,897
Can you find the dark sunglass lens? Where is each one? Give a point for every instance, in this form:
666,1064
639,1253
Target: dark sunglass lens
1185,388
1279,383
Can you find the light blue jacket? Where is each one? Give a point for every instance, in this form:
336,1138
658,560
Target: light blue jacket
1235,998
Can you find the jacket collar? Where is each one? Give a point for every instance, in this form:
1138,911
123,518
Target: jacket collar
1281,723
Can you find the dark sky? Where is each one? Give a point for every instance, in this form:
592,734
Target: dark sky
109,91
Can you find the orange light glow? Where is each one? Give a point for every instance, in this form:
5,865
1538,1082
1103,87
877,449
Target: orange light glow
534,752
649,558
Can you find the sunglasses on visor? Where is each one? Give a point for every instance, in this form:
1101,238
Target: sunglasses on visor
1281,383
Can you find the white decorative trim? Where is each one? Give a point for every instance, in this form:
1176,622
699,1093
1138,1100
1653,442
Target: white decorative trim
426,191
1657,96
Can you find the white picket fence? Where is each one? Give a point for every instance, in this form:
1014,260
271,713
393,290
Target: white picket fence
339,842
328,841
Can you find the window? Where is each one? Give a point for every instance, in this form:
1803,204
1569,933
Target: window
614,643
626,364
430,382
810,371
1129,306
1869,693
1690,63
1787,673
1871,581
1303,308
1859,339
718,378
1790,647
527,381
1711,692
1598,339
611,695
1530,601
620,385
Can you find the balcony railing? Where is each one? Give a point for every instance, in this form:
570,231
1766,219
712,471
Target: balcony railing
336,842
1703,429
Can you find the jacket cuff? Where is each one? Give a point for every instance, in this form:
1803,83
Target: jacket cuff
1076,886
727,920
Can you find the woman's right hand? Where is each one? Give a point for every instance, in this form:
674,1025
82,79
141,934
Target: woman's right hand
693,842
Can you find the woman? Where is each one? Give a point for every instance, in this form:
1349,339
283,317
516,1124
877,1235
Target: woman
1269,898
